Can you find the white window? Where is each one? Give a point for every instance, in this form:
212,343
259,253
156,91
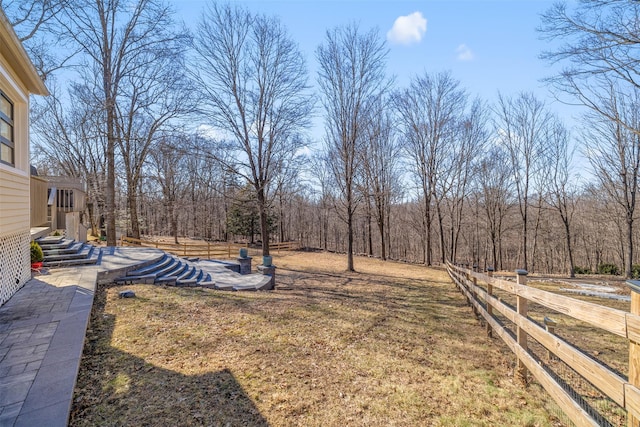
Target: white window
7,147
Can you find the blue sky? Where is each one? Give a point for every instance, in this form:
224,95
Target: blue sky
489,45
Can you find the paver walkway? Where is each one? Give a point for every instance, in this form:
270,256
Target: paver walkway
42,330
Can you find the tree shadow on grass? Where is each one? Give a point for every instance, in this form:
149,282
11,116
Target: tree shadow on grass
117,388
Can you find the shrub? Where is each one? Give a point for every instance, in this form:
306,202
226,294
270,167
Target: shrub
635,271
57,233
581,270
606,268
36,252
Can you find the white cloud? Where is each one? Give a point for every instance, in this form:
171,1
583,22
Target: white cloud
408,29
464,53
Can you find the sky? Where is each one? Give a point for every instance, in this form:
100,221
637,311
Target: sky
488,45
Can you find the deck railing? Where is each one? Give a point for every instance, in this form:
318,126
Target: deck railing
505,307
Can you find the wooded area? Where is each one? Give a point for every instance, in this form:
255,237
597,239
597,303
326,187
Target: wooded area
207,135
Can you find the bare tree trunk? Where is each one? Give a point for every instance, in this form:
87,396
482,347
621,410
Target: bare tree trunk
383,240
110,190
369,230
629,260
572,269
264,220
350,229
132,201
443,256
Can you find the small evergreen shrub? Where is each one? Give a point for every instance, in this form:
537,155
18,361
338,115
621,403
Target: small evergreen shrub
581,270
36,252
57,233
635,271
607,268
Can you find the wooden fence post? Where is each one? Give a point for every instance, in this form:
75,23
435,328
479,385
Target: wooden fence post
489,306
634,348
475,296
550,326
522,304
467,280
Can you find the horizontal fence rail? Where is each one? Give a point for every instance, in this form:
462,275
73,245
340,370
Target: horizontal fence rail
514,326
206,249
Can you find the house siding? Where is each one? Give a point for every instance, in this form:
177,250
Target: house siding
15,235
18,78
14,203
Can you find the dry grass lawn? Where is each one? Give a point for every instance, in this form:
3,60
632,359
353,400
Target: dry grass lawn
391,345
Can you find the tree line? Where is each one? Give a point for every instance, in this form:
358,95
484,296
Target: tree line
423,173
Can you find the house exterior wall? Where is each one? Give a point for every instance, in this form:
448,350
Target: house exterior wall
15,259
18,79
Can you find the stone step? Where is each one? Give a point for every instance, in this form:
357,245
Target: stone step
50,240
169,268
188,274
63,249
58,244
165,280
89,255
153,268
207,284
82,251
186,282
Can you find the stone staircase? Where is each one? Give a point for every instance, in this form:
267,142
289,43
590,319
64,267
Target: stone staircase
61,252
171,270
168,270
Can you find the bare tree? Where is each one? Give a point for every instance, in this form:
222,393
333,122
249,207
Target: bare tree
429,111
165,171
381,161
115,39
521,125
254,81
601,70
351,77
151,97
470,141
560,183
614,153
36,23
494,179
69,140
600,41
322,177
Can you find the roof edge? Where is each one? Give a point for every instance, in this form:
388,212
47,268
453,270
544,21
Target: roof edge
26,70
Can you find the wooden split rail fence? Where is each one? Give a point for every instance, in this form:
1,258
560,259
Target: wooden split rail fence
480,289
206,250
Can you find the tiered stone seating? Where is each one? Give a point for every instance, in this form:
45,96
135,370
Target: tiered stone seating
170,271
